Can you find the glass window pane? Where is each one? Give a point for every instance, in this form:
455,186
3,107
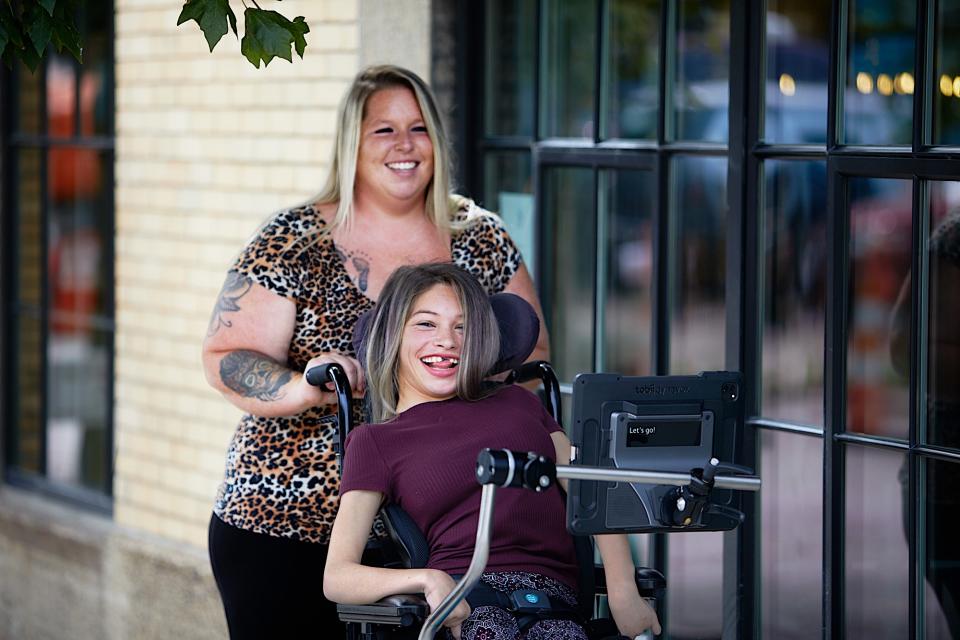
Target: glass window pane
943,333
509,71
877,559
878,101
508,190
942,562
701,93
791,508
568,81
630,91
880,238
695,585
794,286
61,96
628,198
699,212
571,268
96,116
946,74
798,48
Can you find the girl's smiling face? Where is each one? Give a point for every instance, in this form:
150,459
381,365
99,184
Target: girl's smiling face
430,349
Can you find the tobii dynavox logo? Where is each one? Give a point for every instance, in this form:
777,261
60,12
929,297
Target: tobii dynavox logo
662,390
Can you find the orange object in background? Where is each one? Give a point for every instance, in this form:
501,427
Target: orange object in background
74,276
74,172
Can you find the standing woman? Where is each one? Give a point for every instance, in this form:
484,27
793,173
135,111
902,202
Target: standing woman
289,302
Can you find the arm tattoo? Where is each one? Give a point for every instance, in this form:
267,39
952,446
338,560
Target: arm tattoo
254,375
360,262
234,287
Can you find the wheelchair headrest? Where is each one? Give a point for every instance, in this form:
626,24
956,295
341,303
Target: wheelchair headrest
519,330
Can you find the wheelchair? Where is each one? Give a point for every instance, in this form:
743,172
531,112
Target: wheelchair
686,494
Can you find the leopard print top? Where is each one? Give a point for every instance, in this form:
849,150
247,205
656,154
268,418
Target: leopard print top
282,476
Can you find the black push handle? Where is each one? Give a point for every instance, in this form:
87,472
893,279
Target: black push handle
515,469
542,371
319,376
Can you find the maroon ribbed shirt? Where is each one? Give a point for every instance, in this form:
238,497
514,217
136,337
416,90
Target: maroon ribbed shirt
424,460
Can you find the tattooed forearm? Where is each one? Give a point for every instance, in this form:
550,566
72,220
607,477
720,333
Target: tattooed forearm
254,375
235,287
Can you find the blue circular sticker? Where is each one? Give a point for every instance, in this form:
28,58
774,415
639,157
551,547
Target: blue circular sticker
532,598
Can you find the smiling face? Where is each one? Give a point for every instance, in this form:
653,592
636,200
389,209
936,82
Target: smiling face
395,159
430,350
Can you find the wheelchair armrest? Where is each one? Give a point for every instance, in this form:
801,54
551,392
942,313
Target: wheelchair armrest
398,611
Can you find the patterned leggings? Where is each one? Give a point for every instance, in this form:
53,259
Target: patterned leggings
494,623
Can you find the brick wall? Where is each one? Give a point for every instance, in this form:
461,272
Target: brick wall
207,147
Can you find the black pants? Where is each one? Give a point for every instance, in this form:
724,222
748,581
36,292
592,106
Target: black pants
271,587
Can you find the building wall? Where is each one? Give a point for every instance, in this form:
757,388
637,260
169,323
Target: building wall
207,148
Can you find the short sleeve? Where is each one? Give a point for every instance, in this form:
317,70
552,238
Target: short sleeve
485,249
271,258
363,466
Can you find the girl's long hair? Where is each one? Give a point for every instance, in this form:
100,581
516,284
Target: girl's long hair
481,335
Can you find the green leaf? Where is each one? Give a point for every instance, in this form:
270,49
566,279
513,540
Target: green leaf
11,24
40,29
212,17
268,35
48,5
3,40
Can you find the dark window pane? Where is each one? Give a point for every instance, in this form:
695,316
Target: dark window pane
794,284
695,567
877,559
630,92
568,81
28,88
508,191
791,507
880,238
798,48
878,101
946,74
628,198
942,563
572,249
61,96
510,83
699,212
96,117
943,333
701,93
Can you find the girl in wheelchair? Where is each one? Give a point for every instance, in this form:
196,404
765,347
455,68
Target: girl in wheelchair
433,339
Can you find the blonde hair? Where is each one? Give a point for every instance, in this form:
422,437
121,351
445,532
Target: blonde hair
381,357
440,203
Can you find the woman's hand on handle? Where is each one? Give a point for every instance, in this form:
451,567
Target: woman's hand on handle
325,394
633,614
437,586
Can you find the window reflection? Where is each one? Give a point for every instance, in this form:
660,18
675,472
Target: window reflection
701,92
876,556
878,100
630,92
946,76
508,191
698,317
794,287
629,198
568,81
798,48
791,508
880,239
571,269
509,70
